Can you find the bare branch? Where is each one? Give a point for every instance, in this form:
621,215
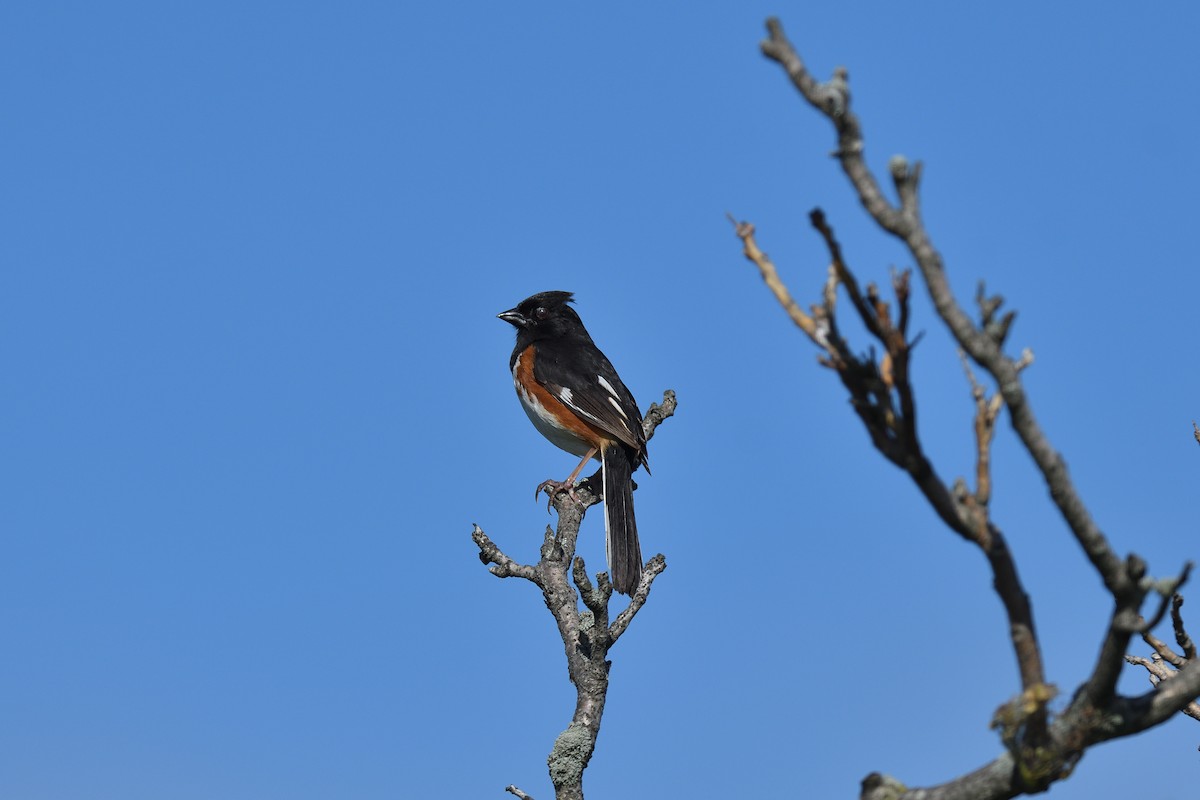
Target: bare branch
594,598
1041,750
1167,591
1162,650
503,566
1158,671
653,568
883,397
833,101
986,411
1181,634
869,314
586,636
804,322
1167,698
514,790
657,414
1157,665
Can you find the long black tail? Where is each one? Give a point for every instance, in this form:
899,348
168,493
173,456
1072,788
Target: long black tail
620,527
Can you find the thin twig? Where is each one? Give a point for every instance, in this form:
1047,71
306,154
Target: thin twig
770,275
653,569
986,411
1181,634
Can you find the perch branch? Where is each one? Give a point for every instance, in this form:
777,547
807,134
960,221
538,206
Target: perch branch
587,636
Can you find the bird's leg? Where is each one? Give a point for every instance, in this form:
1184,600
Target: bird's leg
568,485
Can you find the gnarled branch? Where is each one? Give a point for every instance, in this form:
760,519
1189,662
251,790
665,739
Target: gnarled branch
1166,664
587,635
1041,750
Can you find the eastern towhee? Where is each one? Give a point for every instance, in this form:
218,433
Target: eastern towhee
575,398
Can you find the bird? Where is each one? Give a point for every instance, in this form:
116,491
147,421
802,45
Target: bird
575,398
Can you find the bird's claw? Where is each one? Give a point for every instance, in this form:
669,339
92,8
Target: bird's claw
555,487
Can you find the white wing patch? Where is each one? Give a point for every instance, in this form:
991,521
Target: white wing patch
546,422
613,397
565,395
608,387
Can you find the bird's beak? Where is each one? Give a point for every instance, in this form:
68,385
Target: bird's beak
514,318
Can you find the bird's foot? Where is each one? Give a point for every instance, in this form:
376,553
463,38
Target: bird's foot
555,487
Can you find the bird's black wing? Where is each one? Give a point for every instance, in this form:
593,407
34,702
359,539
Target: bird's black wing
585,381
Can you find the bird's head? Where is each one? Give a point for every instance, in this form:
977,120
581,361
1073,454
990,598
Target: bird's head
544,315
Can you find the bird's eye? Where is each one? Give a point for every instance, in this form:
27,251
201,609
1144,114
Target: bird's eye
539,313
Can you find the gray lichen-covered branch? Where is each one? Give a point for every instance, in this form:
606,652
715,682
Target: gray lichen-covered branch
1040,748
587,634
1164,664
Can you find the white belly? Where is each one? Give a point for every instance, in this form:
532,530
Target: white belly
546,423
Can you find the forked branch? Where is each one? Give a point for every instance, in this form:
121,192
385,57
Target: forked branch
586,634
1041,749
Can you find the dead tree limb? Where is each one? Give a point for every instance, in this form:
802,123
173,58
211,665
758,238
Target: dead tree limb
587,634
1165,663
1041,748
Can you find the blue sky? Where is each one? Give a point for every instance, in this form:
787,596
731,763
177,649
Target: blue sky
255,393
